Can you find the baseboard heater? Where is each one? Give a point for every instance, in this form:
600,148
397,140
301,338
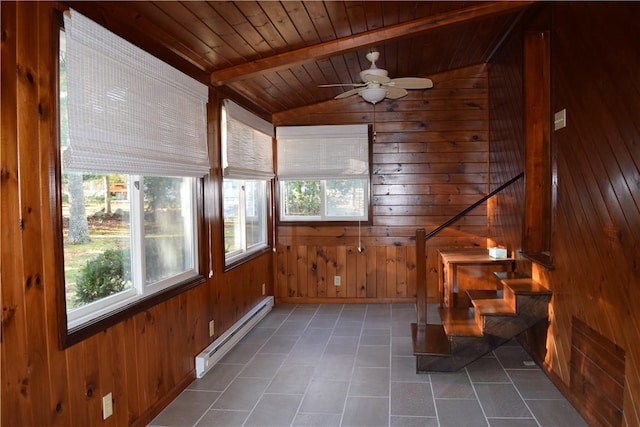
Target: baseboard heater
221,346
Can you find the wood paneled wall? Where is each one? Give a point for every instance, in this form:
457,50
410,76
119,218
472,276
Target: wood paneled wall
145,360
506,210
596,217
430,161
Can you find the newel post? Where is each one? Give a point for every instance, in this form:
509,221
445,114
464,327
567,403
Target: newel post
421,277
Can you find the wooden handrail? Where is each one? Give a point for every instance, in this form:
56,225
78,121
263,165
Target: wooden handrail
473,206
421,238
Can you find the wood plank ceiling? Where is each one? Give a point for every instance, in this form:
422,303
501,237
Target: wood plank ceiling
273,55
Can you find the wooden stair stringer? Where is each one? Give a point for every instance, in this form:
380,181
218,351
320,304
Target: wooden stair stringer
496,316
436,351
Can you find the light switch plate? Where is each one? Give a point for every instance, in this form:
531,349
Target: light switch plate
107,406
560,119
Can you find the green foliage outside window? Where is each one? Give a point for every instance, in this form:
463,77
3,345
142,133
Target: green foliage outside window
303,198
105,275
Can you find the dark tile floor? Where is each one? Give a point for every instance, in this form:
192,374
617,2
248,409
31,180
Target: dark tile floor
352,365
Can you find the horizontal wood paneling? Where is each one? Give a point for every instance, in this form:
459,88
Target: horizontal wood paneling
596,181
430,161
145,360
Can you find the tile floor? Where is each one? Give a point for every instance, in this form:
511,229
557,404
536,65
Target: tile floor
352,365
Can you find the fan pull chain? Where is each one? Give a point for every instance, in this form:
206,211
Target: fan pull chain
374,123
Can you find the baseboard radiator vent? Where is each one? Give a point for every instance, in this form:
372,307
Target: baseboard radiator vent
221,346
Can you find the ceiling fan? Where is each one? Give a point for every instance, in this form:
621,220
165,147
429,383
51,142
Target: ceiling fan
376,84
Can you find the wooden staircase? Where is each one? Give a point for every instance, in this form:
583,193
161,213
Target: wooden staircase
494,317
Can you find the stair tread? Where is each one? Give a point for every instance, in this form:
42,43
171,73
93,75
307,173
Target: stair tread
502,275
429,340
459,322
522,284
493,307
526,287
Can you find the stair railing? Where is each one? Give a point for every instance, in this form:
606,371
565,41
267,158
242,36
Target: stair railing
421,248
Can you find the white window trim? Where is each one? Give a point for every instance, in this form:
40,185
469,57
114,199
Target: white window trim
245,250
104,306
323,153
323,217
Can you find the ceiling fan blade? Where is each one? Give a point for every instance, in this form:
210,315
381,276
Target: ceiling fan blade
348,93
394,92
412,83
373,77
343,84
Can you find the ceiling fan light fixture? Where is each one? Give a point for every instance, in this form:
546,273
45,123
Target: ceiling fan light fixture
373,94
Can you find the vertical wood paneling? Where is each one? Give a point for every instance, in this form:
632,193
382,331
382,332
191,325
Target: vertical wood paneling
351,268
506,209
145,360
596,213
341,269
332,266
381,269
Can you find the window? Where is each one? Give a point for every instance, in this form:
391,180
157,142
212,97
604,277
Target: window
247,157
245,214
133,146
323,173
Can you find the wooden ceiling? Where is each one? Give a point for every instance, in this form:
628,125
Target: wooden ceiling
272,55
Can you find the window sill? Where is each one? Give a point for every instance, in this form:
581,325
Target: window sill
325,223
246,258
73,336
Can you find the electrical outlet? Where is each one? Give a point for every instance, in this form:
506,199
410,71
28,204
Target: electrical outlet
212,328
337,281
264,289
107,406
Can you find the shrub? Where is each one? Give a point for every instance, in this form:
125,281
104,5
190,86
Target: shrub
105,275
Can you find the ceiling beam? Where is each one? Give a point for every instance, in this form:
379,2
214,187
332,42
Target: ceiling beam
366,39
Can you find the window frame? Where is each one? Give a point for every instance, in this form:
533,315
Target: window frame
323,217
245,253
278,196
72,335
68,336
140,287
222,115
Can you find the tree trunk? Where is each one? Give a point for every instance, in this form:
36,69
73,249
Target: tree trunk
78,225
107,196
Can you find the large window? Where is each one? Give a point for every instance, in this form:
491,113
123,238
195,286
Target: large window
248,169
245,215
323,173
133,146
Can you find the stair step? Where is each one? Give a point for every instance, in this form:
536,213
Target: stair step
459,322
493,307
502,275
521,284
430,340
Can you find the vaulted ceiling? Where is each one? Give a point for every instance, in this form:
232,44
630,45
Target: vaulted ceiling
273,55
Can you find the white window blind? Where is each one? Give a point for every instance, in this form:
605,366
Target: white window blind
322,152
247,151
129,112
